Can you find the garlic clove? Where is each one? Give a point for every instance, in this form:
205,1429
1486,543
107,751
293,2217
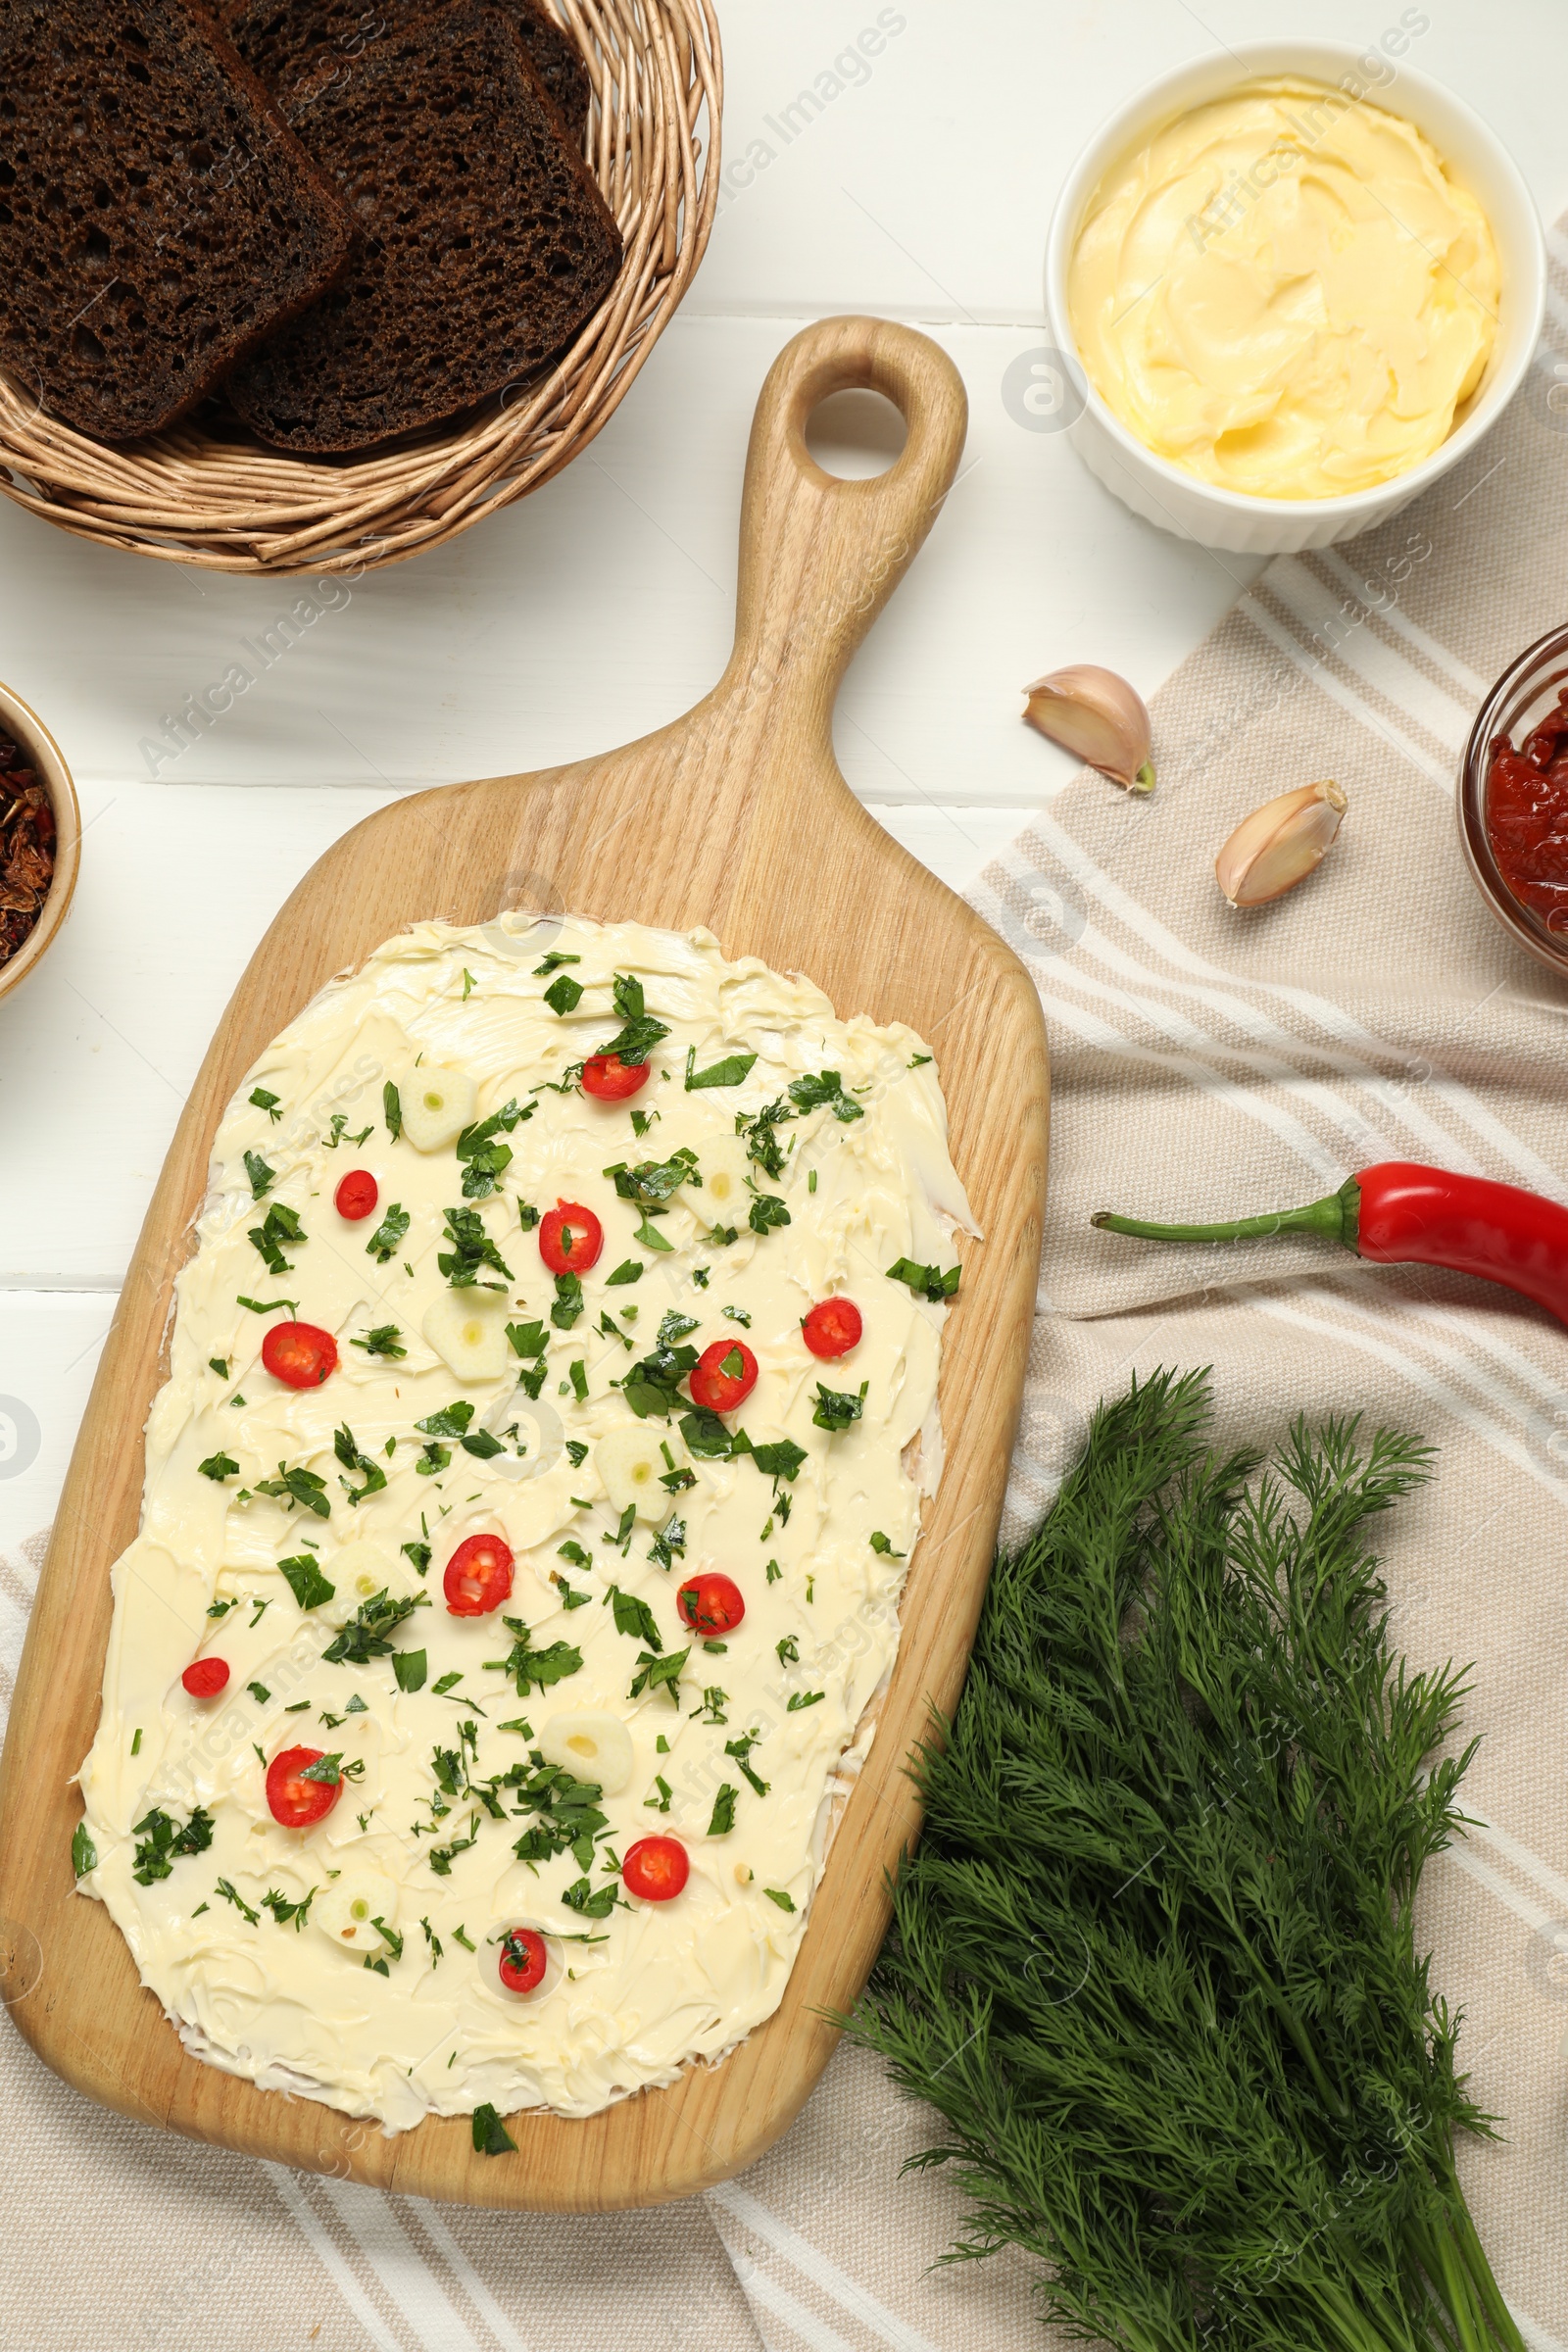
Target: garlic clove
1280,844
1096,717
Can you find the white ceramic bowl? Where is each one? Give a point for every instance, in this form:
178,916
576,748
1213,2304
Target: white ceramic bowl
1177,501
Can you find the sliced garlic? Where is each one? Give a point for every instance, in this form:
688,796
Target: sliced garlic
1098,716
347,1908
467,1329
438,1105
1280,844
596,1747
723,1191
631,1464
361,1570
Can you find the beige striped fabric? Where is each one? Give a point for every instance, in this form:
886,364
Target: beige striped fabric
1205,1063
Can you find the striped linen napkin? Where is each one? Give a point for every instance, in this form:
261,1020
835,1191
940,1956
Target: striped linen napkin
1205,1063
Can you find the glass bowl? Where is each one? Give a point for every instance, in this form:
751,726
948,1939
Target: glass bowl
1519,700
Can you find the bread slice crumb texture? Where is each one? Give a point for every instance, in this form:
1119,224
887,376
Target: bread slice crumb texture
279,39
483,243
156,216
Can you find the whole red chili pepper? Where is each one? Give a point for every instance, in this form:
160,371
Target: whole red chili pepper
1402,1214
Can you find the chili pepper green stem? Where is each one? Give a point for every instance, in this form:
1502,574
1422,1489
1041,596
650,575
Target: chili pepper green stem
1336,1218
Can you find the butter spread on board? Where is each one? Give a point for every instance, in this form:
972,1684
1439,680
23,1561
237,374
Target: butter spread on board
1286,292
489,1772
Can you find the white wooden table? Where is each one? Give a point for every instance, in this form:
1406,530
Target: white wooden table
917,183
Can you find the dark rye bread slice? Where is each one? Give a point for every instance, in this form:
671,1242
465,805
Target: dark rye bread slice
483,243
156,216
279,39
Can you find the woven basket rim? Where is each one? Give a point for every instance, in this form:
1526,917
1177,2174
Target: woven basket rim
194,497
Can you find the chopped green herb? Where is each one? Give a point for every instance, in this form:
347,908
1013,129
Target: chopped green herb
433,1460
916,1059
568,1302
633,1044
267,1306
219,1366
260,1692
810,1180
219,1466
776,1895
767,1212
346,1448
280,1225
789,1650
418,1555
135,1744
629,1270
926,1282
535,1669
385,1339
733,1070
721,1235
461,1936
261,1175
880,1543
582,1897
573,1552
563,995
660,1802
781,1459
633,1617
266,1101
471,1249
490,2135
231,1894
713,1707
737,1314
368,1633
392,1109
723,1814
576,1453
527,1338
83,1852
836,1410
553,963
659,1673
447,1682
741,1749
284,1912
774,1572
669,1545
301,1486
804,1698
578,1372
409,1666
484,1158
163,1843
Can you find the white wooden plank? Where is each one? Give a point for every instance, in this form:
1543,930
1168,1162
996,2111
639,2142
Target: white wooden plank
49,1345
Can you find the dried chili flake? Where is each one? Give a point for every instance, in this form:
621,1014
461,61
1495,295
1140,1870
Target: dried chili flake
27,848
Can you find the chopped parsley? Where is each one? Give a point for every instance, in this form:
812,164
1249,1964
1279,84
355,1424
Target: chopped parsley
659,1674
553,963
669,1545
409,1667
767,1212
266,1101
261,1175
741,1749
660,1802
788,1650
835,1409
633,1044
385,1339
384,1242
535,1669
231,1894
733,1070
217,1466
633,1617
568,1302
301,1486
285,1913
83,1852
804,1698
392,1109
712,1709
484,1158
280,1225
629,1270
368,1632
563,995
490,2135
582,1896
723,1815
260,1692
163,1843
776,1895
527,1338
346,1447
566,1814
926,1282
880,1543
737,1314
418,1555
471,1249
219,1366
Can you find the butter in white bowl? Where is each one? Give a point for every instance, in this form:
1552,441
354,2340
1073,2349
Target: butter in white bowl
1286,291
450,1569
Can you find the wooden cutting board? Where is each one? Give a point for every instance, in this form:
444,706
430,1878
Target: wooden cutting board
737,817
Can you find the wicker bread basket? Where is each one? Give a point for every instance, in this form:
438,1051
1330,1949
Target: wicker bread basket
224,501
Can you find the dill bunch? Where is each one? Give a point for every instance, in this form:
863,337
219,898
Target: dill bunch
1153,1960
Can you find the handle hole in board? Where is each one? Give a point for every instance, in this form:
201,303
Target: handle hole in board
856,435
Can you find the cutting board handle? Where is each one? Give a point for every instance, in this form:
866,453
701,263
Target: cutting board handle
820,556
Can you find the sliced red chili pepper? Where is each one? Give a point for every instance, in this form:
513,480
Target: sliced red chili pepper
204,1678
656,1868
724,1376
291,1798
299,1354
1399,1213
570,1238
478,1576
609,1079
524,1959
357,1196
711,1603
832,1328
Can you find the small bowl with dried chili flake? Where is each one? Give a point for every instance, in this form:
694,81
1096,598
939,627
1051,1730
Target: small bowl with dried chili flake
40,839
1513,800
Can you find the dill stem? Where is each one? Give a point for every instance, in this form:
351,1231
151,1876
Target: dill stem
1503,2325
